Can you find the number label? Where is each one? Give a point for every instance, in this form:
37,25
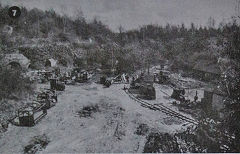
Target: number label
14,12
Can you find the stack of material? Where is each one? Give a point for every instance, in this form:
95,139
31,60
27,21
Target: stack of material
56,85
124,78
147,92
178,94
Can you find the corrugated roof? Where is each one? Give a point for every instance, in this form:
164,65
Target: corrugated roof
206,66
53,62
20,58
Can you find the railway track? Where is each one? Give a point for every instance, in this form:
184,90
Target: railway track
162,108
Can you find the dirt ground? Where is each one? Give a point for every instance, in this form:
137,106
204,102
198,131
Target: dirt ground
90,118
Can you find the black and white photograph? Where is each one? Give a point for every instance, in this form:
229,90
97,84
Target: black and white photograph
119,76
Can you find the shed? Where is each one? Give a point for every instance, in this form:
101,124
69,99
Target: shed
51,62
16,60
214,99
206,70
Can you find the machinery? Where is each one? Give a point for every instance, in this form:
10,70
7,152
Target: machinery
178,94
162,77
147,92
48,97
56,85
80,75
102,79
26,117
30,116
107,83
44,76
143,88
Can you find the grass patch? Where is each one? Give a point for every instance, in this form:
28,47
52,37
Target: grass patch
87,111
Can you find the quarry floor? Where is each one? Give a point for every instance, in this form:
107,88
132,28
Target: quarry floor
111,129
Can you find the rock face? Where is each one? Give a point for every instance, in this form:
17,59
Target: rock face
16,60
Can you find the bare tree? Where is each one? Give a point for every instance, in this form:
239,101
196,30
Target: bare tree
237,8
211,22
237,11
79,14
120,28
63,11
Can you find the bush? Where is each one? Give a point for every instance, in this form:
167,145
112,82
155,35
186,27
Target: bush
63,37
13,84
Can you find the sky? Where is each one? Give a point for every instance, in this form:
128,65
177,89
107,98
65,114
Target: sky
132,14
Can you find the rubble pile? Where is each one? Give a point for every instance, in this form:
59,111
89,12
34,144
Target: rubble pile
37,144
87,111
